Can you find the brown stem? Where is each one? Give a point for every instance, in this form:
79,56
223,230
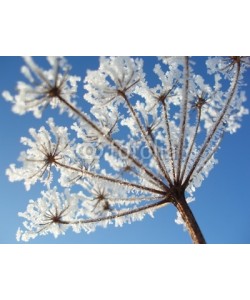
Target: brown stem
156,155
192,144
110,179
189,219
122,214
169,139
210,155
184,117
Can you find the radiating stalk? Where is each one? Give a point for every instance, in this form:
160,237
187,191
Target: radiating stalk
183,117
192,144
215,127
110,179
155,155
169,139
122,214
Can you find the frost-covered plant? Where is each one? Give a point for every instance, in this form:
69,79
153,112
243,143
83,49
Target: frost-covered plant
139,148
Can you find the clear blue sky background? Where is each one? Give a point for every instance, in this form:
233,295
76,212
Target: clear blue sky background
222,205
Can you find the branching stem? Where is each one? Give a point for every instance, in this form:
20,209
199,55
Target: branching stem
113,143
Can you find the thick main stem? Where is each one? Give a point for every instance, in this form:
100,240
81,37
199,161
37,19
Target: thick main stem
189,219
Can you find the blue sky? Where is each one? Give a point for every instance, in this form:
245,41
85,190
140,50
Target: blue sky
222,206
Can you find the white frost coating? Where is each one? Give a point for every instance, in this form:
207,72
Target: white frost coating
130,123
26,72
39,91
48,214
115,74
123,169
7,96
116,163
43,153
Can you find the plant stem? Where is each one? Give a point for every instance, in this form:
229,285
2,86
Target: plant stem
184,117
189,219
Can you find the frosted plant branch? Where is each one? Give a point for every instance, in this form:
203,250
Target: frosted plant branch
125,213
192,143
156,155
210,156
215,127
113,143
183,121
114,179
169,139
110,179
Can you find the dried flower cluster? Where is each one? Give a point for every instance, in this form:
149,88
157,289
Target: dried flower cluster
137,150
